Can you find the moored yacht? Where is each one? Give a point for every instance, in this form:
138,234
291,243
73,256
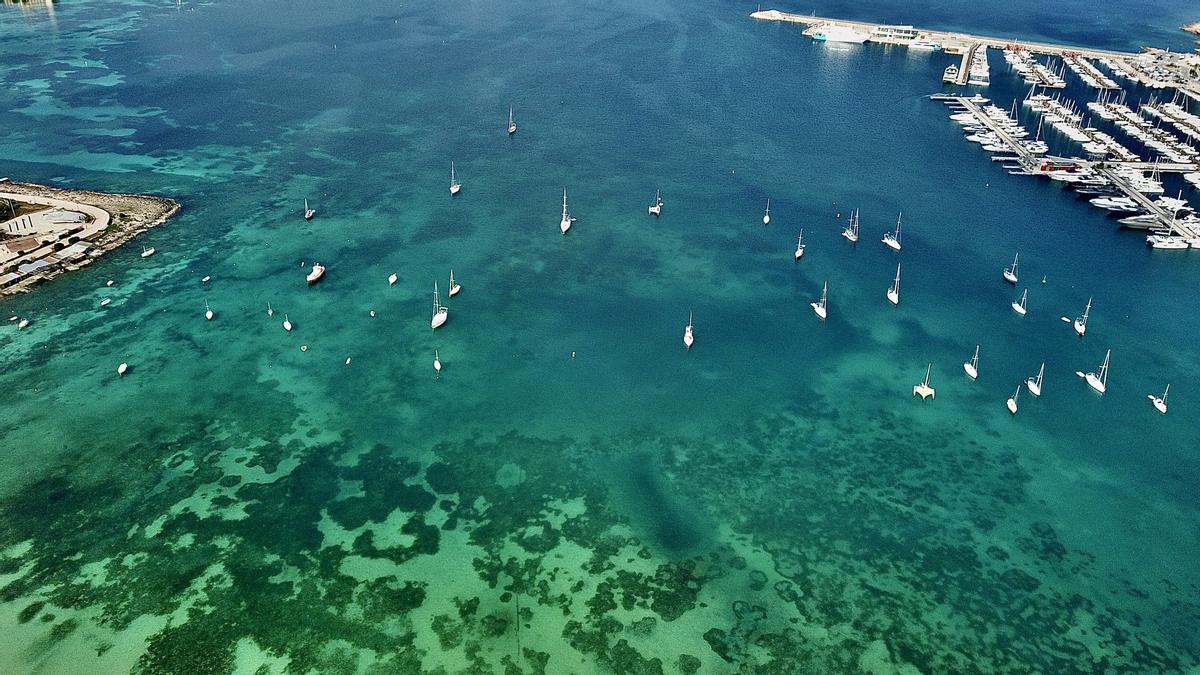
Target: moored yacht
892,239
512,126
1010,272
688,337
455,287
440,311
1160,402
208,313
820,308
1034,384
308,213
767,213
972,367
1080,323
1097,381
800,245
1019,305
315,275
923,389
567,218
1011,403
656,209
851,231
893,293
455,186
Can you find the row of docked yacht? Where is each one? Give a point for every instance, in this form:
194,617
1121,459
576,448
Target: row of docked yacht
1164,143
1089,73
1031,71
1177,116
984,131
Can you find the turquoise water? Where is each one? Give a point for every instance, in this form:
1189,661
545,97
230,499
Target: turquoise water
772,501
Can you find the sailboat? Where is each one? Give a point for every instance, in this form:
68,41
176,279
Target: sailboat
1160,403
455,287
923,389
800,245
392,279
1012,400
972,366
767,213
1010,273
122,368
308,213
270,312
1019,305
147,252
893,293
455,186
287,323
851,231
437,361
315,275
440,311
1097,381
820,307
208,313
1034,384
22,323
688,338
1081,322
892,240
512,126
567,219
105,301
656,210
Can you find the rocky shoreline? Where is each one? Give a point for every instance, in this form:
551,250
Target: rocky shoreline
1193,28
130,215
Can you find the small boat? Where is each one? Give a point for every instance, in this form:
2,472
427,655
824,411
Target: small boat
851,231
392,279
1034,384
892,240
820,308
767,213
972,366
688,338
437,361
122,368
440,311
315,275
1160,402
656,210
347,360
1080,323
1010,272
455,287
105,301
1012,400
567,218
893,293
1019,305
270,312
22,323
923,389
109,282
1043,279
147,252
1098,381
308,213
13,318
205,280
287,323
800,245
512,126
455,186
208,313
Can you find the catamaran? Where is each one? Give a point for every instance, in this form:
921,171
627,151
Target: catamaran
1019,305
512,126
1034,384
767,213
892,240
567,219
1097,381
821,307
688,338
1012,400
923,389
1160,402
455,287
1081,322
800,245
972,366
851,231
308,213
455,186
440,311
893,293
1010,273
656,210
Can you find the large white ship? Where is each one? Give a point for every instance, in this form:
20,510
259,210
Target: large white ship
835,33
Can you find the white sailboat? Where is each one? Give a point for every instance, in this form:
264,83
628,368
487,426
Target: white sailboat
688,338
1012,400
892,240
923,389
1010,272
455,287
122,368
147,252
512,126
567,219
1160,402
287,323
440,311
308,213
800,245
270,311
972,367
893,293
455,186
22,323
1081,322
105,301
1019,305
208,313
656,210
1034,384
820,308
767,213
392,279
851,231
437,361
1098,381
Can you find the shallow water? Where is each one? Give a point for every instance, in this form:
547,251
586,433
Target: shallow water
772,500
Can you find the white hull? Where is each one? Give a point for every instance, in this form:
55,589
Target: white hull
688,339
1159,404
924,391
799,252
1010,277
122,368
893,296
1012,406
1094,382
891,242
439,318
971,371
391,279
315,275
850,236
565,225
1018,308
1080,327
23,323
1033,387
818,310
287,325
455,289
146,253
455,189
